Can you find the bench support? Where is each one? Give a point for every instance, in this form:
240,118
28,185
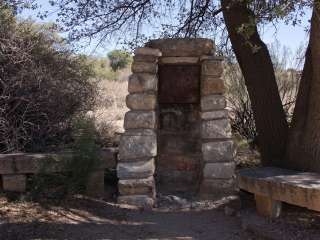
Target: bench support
95,184
14,182
267,207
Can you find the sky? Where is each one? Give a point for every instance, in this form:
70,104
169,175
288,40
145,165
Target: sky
287,35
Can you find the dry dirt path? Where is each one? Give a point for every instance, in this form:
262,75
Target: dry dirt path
83,218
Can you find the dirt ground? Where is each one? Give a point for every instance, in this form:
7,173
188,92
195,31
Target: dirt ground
80,217
84,218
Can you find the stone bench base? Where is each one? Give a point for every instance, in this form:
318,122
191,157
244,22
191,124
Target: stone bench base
272,186
14,169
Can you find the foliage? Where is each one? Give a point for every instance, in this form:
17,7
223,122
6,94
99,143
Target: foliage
119,59
102,70
77,166
43,86
85,153
134,21
287,76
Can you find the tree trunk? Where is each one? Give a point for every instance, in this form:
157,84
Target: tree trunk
257,69
303,152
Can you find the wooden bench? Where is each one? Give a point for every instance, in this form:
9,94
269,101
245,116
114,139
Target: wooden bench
15,167
271,186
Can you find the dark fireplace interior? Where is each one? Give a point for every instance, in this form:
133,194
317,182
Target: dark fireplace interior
179,141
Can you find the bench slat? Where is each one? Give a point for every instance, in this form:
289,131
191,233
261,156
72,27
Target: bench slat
297,188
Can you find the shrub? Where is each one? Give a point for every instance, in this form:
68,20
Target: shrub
43,86
119,59
77,166
242,119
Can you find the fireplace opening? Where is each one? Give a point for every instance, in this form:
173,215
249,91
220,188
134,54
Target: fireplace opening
179,139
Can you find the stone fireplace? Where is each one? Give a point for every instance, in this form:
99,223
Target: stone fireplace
177,133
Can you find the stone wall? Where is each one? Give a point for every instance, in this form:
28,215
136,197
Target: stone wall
138,145
177,128
218,150
15,167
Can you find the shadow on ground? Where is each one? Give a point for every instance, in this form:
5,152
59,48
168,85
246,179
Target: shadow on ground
82,218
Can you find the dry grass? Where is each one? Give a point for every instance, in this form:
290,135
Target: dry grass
111,107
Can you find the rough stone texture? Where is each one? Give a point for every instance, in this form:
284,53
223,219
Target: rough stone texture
211,57
213,102
179,84
16,163
144,186
144,67
141,201
218,129
141,101
140,132
183,47
145,58
136,170
14,183
216,188
212,68
297,188
142,82
95,184
218,151
132,147
218,114
179,142
173,181
218,170
179,60
179,162
140,119
147,51
212,85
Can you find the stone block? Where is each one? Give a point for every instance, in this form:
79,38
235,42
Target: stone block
178,60
14,182
95,184
173,181
136,170
212,85
223,151
180,162
183,47
147,51
174,143
212,68
142,82
140,201
293,187
141,101
140,119
137,146
139,132
213,102
145,186
218,170
216,129
144,67
218,114
217,188
145,58
211,58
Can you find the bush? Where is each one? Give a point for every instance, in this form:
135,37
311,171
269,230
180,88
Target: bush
43,86
77,167
119,59
242,119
